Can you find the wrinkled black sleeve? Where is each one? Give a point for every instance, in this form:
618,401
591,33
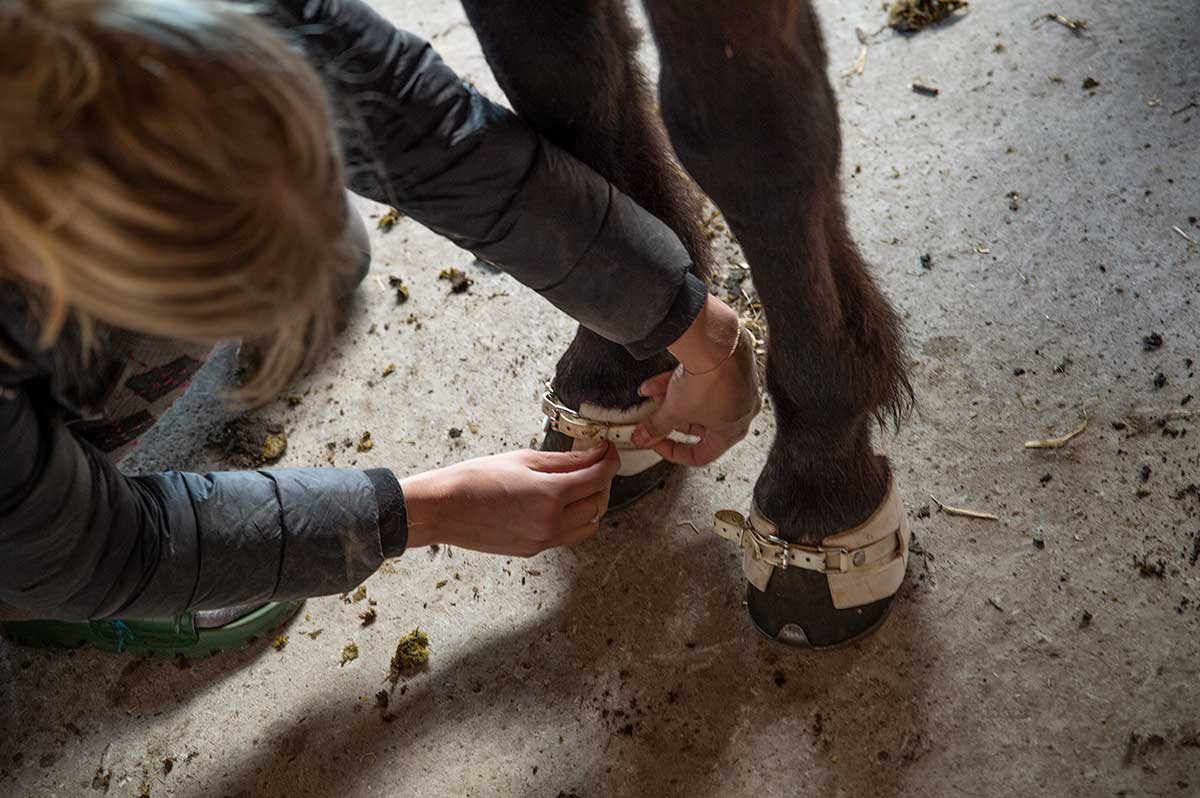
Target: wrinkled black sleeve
420,139
80,540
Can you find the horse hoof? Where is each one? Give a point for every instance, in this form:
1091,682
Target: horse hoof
797,609
625,489
821,595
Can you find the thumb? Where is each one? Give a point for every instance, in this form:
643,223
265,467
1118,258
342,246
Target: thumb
565,462
656,386
653,428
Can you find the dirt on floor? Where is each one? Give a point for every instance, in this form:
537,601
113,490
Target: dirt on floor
1034,220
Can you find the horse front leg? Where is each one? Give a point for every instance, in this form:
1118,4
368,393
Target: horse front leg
753,118
568,68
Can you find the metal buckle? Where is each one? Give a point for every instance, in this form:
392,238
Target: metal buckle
777,552
570,423
781,557
553,408
576,425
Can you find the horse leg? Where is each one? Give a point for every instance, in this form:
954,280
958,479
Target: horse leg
753,118
569,70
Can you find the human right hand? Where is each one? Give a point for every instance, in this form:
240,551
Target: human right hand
517,503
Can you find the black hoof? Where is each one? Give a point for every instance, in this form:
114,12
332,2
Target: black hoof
797,609
625,490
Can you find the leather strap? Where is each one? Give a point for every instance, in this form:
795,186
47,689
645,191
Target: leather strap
781,554
860,562
563,419
571,423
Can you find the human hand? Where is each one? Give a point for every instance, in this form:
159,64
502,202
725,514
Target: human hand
713,394
517,503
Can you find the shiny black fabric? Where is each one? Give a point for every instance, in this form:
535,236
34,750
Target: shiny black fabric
80,540
420,139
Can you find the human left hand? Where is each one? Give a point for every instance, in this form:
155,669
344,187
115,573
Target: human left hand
715,403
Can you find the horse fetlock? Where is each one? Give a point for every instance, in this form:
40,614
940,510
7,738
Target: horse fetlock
590,425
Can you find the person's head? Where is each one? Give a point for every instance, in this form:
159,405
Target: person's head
168,167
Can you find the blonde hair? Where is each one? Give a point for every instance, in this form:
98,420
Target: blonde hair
169,167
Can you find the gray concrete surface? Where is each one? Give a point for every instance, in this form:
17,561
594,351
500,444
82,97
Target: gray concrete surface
626,666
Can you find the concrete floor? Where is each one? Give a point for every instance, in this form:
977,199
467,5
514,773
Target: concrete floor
626,666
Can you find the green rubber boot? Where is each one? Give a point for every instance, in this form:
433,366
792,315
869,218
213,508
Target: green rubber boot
171,637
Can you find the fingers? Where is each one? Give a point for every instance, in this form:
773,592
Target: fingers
653,429
698,454
578,521
676,452
656,387
588,510
596,478
693,434
707,449
579,534
567,462
657,398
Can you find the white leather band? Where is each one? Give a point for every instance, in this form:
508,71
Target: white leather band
570,423
591,425
863,564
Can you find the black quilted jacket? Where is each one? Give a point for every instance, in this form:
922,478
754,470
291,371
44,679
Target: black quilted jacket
80,540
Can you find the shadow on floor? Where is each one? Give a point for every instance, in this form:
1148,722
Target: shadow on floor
653,640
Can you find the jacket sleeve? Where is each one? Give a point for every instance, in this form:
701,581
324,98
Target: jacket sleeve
420,139
80,540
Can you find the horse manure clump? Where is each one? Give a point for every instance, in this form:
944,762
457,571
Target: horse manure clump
365,443
389,220
459,281
411,653
397,285
274,446
248,442
911,16
349,653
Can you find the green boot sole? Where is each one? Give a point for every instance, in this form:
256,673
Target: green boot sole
170,637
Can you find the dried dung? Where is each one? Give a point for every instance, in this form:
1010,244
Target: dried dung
411,653
459,281
389,220
911,16
249,442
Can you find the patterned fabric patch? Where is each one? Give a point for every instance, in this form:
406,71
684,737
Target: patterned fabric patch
159,381
109,436
156,373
